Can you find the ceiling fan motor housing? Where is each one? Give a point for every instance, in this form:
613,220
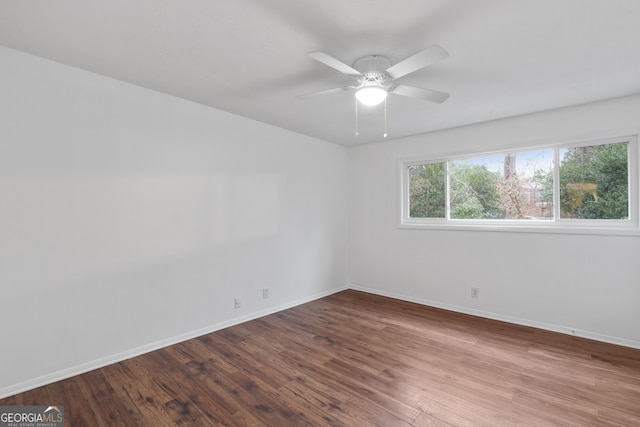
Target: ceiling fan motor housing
372,68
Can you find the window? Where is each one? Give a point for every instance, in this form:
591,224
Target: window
427,190
594,182
578,185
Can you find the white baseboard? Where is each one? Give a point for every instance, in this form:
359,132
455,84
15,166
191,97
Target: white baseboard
147,348
510,319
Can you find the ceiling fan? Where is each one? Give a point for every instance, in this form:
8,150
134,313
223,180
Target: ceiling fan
375,76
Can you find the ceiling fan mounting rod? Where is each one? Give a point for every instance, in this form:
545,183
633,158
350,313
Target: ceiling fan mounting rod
372,64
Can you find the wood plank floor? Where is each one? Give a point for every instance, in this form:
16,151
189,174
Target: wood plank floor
356,359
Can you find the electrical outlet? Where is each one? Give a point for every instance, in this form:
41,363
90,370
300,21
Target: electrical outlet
475,292
265,293
236,302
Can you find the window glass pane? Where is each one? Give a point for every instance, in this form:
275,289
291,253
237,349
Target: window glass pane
427,191
594,182
505,186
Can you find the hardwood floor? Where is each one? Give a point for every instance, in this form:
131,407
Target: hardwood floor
356,359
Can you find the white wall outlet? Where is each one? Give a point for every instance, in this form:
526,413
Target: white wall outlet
265,293
475,292
236,303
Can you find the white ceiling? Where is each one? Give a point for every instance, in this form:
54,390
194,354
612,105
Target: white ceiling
249,56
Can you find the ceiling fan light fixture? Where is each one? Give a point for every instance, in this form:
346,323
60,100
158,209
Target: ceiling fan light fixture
371,95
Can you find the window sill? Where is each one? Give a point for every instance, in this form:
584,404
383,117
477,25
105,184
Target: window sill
537,228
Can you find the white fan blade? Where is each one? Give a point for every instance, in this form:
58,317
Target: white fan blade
323,92
420,60
417,92
334,63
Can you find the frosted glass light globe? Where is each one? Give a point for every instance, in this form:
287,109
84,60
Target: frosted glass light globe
371,95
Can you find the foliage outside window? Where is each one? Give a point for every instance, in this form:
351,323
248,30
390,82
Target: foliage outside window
564,184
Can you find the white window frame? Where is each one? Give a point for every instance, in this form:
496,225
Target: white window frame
628,226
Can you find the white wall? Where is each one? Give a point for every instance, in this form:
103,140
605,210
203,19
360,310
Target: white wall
586,283
130,219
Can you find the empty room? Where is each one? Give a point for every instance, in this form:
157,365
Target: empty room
320,212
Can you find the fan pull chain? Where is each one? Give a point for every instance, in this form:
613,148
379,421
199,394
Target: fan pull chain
356,116
385,118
